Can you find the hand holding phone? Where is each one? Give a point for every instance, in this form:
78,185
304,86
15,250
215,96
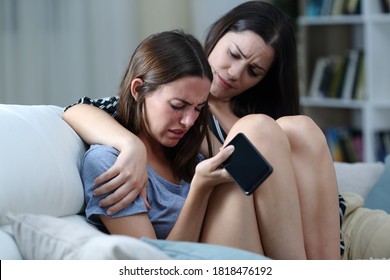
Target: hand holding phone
246,165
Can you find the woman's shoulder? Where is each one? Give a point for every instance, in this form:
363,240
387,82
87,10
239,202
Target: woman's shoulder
98,155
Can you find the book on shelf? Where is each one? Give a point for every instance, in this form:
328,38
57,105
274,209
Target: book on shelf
382,139
326,78
338,7
313,7
318,72
326,8
350,74
345,143
352,7
338,76
322,76
359,83
385,4
333,7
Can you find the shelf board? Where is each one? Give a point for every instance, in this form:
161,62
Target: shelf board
381,18
381,103
331,103
330,20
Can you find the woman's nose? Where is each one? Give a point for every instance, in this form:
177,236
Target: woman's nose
189,118
234,71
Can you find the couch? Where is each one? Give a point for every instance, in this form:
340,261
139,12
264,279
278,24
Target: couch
41,201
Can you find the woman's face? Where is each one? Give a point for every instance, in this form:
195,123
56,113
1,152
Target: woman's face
174,107
239,61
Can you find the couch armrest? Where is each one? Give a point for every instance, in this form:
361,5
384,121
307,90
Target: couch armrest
40,160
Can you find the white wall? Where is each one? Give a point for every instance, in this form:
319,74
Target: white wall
205,12
55,51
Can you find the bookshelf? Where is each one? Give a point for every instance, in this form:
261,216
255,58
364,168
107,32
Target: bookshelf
358,104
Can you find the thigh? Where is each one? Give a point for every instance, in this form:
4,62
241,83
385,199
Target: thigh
231,220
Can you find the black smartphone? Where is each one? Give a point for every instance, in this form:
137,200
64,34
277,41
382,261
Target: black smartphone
246,165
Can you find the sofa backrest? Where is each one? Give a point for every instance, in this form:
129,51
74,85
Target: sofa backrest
40,159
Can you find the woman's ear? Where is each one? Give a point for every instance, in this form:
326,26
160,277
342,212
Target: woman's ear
137,82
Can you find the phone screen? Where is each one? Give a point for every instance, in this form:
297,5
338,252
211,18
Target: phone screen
246,165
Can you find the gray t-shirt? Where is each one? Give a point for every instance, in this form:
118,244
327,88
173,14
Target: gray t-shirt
165,198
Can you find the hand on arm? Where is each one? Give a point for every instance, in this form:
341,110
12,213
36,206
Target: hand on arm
129,173
128,177
189,224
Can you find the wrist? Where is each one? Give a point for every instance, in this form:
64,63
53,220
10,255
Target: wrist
202,186
129,141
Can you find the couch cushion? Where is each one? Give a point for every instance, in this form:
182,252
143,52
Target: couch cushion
51,238
182,250
379,195
45,237
358,177
39,163
9,248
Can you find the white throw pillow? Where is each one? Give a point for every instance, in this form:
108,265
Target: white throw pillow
358,177
40,159
45,237
9,250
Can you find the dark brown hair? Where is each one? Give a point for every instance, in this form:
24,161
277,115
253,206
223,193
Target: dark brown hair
277,93
160,59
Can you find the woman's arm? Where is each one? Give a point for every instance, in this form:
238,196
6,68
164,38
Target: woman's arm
208,175
189,223
137,225
128,176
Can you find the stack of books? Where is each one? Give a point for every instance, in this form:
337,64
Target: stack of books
345,143
385,4
333,7
339,77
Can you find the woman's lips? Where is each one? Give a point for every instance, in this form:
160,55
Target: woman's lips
177,133
224,82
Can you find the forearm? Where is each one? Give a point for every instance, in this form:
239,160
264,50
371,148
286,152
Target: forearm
207,176
95,126
189,223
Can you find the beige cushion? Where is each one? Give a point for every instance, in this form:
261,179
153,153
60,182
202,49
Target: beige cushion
365,231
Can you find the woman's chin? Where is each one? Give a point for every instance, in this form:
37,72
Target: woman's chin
171,143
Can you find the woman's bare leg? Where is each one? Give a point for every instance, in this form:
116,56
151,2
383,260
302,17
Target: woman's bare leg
231,220
317,187
272,215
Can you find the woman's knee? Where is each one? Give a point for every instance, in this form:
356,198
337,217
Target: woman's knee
303,133
261,129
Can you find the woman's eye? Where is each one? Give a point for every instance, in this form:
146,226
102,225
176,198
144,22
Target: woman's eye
253,73
199,109
232,54
178,108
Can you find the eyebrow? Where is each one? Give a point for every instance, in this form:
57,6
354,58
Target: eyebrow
254,64
188,103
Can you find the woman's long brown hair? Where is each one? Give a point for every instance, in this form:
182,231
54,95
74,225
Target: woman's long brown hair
160,59
277,94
